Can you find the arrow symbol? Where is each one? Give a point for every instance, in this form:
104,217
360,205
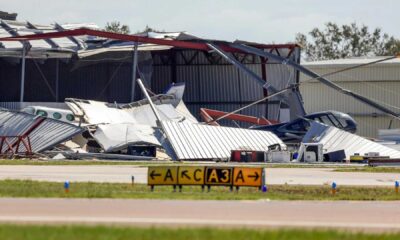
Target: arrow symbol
184,174
255,176
153,174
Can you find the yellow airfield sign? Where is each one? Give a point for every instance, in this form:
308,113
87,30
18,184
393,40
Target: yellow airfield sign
205,176
191,175
218,176
162,176
251,177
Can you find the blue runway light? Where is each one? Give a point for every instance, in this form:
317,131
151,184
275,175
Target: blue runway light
334,188
66,186
264,188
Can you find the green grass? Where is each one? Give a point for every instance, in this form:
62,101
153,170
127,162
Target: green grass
152,163
34,189
369,169
41,232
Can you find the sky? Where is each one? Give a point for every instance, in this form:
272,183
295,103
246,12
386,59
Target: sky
252,20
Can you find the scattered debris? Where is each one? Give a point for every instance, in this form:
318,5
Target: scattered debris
23,133
114,137
105,156
59,156
334,139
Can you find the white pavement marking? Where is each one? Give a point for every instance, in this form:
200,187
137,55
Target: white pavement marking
123,174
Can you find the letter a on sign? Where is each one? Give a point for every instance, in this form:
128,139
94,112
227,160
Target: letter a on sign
251,177
162,176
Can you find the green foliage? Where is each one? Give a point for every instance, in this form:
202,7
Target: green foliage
345,41
117,27
35,189
40,232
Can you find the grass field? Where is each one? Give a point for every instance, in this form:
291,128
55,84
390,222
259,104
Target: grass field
337,168
35,232
26,188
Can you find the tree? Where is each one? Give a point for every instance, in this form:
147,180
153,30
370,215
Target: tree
149,29
344,41
117,27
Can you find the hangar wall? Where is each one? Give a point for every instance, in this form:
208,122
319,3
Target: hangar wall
380,82
211,82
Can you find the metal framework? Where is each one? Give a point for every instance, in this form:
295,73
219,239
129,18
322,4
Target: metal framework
209,115
12,145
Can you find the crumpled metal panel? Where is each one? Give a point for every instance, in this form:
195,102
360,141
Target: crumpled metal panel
334,139
197,141
48,134
117,136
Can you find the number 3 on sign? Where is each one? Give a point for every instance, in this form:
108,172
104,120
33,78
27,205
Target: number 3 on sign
225,176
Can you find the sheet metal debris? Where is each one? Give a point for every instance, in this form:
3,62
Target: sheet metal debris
41,133
114,137
197,141
334,139
119,126
105,156
95,112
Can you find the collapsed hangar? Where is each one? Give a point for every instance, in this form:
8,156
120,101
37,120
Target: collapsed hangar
102,69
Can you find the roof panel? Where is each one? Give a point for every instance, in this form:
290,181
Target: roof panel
334,139
197,141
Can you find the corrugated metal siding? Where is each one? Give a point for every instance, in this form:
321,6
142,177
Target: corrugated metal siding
318,96
369,126
86,82
207,84
48,134
369,73
334,139
197,141
190,75
161,78
218,84
381,83
9,81
250,89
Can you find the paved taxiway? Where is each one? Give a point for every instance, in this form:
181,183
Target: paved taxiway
123,173
369,216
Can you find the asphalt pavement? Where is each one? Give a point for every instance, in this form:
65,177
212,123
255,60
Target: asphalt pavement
123,174
364,216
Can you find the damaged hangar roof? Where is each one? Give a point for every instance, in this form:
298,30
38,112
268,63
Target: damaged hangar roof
47,48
